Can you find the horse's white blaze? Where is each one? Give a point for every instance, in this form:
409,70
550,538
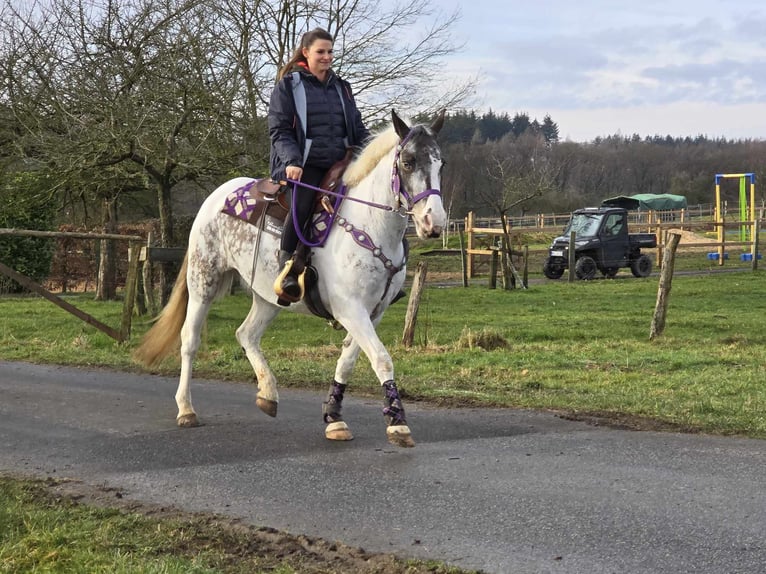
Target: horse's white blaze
428,214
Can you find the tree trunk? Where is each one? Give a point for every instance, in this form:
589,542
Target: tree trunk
106,285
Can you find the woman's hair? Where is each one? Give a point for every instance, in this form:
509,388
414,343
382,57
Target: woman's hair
306,41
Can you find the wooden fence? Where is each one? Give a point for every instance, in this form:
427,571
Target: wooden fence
484,235
131,284
138,294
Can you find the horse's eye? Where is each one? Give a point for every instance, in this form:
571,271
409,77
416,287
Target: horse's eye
408,164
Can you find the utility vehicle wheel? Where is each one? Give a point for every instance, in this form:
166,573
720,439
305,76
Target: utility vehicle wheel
585,268
552,270
641,267
610,272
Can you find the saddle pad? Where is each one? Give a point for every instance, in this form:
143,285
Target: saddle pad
239,203
248,204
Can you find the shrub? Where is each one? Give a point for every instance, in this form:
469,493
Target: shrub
26,205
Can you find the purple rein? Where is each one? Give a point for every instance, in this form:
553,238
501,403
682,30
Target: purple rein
396,187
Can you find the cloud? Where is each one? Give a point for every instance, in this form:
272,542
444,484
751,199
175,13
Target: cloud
611,60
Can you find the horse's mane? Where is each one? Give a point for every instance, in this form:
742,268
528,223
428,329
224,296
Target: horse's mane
381,143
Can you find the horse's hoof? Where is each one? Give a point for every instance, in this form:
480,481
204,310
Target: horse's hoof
338,431
187,421
267,406
400,435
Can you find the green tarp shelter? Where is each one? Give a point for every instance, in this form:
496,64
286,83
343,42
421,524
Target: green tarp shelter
647,201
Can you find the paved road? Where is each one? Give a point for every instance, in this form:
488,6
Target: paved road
505,491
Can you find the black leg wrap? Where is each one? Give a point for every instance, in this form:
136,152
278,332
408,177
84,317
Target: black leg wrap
331,408
393,409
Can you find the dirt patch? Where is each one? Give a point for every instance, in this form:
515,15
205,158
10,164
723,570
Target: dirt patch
267,548
691,238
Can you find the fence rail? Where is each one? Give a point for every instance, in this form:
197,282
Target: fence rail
697,219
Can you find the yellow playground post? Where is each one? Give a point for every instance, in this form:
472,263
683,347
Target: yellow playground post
746,216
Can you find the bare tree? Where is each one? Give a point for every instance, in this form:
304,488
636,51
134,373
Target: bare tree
518,170
121,94
390,52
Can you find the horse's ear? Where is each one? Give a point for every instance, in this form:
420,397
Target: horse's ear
438,123
400,127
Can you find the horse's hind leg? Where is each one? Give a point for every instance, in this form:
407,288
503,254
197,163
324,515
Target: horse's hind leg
190,340
249,336
337,429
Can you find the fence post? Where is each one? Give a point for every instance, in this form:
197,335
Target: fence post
147,276
469,224
493,269
131,286
571,254
663,290
463,258
413,304
526,267
756,230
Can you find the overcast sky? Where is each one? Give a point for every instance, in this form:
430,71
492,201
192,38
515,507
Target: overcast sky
602,67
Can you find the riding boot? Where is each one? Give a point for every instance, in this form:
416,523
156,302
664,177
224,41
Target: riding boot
287,285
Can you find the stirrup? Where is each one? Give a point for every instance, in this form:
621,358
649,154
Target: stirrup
283,295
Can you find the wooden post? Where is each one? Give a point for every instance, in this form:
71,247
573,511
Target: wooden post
463,258
722,236
663,291
526,267
148,278
131,285
469,223
418,282
493,269
754,249
571,256
506,265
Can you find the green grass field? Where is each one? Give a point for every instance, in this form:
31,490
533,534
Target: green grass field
578,347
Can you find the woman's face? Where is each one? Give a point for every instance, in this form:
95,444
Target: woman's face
319,58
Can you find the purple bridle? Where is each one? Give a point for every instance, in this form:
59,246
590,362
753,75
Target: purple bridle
396,184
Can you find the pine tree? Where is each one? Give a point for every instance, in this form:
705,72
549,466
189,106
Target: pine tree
550,130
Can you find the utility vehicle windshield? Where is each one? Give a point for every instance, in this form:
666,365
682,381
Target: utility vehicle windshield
584,224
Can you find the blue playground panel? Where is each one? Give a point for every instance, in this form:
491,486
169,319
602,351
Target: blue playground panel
714,256
748,256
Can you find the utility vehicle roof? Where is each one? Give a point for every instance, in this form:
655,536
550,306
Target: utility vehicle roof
647,201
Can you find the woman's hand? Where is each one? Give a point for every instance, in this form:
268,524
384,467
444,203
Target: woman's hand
294,172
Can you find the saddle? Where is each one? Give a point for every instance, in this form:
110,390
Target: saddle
264,196
263,202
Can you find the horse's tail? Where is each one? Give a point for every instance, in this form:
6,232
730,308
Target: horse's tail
165,335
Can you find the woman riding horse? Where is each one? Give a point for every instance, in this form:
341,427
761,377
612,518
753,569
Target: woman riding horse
313,120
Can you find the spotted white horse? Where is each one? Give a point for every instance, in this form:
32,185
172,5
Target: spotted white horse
360,265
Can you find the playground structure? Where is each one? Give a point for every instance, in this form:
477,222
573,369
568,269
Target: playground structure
748,221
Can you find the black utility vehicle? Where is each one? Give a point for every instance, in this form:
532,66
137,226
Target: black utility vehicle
602,243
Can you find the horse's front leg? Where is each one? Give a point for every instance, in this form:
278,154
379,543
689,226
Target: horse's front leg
332,408
249,336
362,335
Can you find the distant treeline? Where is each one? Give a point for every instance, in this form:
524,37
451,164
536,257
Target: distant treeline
494,161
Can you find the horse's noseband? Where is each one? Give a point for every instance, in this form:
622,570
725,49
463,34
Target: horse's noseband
396,182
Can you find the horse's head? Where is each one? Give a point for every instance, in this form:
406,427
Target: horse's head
417,173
